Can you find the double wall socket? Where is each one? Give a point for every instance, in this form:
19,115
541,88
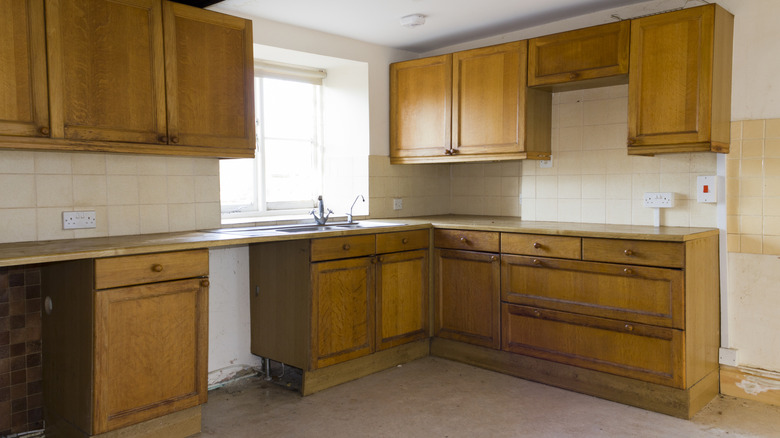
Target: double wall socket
659,199
398,203
72,220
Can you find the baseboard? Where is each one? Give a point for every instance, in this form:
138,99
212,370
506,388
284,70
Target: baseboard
751,383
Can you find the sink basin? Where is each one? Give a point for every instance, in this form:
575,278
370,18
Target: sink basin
307,228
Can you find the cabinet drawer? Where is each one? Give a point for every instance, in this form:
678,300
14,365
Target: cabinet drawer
467,240
633,293
541,245
332,248
635,252
150,268
652,354
401,241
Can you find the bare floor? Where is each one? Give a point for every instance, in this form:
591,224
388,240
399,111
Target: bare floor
434,397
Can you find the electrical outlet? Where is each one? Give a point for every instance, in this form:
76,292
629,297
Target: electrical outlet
545,164
659,199
398,203
728,356
706,189
72,220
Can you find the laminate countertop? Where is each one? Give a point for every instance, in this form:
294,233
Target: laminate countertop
25,253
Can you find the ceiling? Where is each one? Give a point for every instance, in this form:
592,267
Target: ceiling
448,22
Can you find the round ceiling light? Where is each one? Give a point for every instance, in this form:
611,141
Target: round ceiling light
413,20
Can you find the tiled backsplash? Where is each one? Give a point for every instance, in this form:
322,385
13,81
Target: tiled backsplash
594,180
21,395
131,194
753,187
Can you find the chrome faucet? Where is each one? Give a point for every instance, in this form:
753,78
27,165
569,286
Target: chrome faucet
349,215
322,218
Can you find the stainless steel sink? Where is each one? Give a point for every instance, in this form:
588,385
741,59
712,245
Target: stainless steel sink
303,228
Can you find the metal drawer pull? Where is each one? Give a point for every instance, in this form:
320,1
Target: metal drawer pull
628,252
537,245
157,267
346,247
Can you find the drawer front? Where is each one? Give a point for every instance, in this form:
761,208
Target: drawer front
633,293
635,252
401,241
467,240
150,268
648,353
332,248
541,245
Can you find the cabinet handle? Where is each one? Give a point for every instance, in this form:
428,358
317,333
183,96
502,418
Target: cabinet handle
573,75
157,267
537,262
163,139
48,305
373,260
448,152
43,130
174,139
628,271
381,259
628,252
631,141
493,258
537,313
257,290
629,328
405,240
463,240
204,283
537,245
346,247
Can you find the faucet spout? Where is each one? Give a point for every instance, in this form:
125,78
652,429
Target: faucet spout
349,215
322,218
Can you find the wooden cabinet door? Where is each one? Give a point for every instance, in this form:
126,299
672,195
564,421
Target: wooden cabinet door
489,99
210,80
580,58
680,81
24,101
401,298
467,297
420,108
151,345
342,321
106,78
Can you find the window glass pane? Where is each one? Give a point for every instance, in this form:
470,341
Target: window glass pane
290,172
237,184
289,109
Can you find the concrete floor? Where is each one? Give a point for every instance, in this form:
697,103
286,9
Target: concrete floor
434,397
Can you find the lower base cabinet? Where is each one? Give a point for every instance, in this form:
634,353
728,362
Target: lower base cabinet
126,342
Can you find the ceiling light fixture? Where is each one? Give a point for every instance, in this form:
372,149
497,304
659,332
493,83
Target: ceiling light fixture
413,20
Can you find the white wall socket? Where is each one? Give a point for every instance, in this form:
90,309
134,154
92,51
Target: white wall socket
72,220
706,189
728,356
545,164
398,203
659,199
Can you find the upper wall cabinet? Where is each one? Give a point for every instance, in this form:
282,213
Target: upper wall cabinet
584,58
138,76
468,106
24,107
680,82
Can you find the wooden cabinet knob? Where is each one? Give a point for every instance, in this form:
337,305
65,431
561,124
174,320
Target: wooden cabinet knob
628,252
381,259
573,75
463,240
44,130
537,262
537,313
493,258
405,240
346,247
629,328
628,271
163,139
373,260
157,267
204,283
537,245
174,139
448,152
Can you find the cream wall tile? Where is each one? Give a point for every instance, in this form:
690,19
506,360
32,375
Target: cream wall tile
618,161
771,245
570,114
641,164
772,128
674,163
733,241
569,163
772,148
18,191
54,190
510,186
182,166
733,168
15,224
751,225
181,190
528,209
573,96
570,139
154,165
512,168
207,189
529,167
89,164
122,190
546,209
771,226
679,216
594,211
528,187
609,136
751,187
753,129
49,223
751,244
492,206
181,217
463,170
736,130
153,218
510,206
210,166
641,183
618,187
90,190
52,163
752,168
17,162
753,148
602,112
750,206
122,164
772,167
594,162
569,210
678,183
772,206
570,186
641,215
618,211
152,189
594,187
704,163
703,215
546,187
123,220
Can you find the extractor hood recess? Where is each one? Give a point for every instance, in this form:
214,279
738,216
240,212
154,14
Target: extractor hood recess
198,3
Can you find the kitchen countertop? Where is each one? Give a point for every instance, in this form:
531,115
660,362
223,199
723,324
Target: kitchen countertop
24,253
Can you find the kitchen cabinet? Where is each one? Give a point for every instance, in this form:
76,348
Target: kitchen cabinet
323,303
126,342
584,58
134,76
24,106
467,285
680,81
471,105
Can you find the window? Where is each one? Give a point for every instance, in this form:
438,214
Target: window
286,174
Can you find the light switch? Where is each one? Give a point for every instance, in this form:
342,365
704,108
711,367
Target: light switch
706,189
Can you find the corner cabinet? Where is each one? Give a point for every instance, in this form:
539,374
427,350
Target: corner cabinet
132,76
468,106
126,344
680,82
340,307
